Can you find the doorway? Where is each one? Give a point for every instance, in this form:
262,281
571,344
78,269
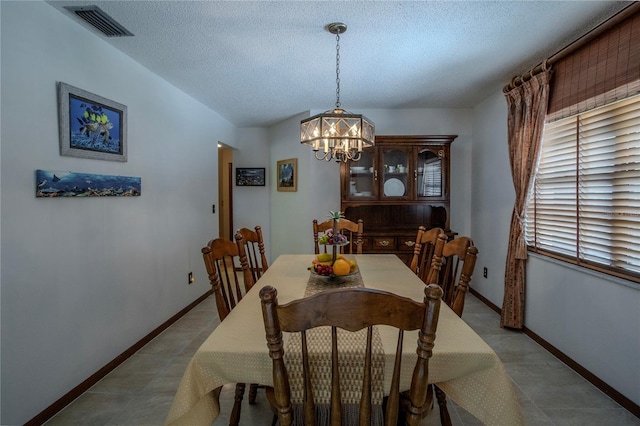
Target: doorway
225,191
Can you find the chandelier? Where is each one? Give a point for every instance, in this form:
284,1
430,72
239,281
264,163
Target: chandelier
340,134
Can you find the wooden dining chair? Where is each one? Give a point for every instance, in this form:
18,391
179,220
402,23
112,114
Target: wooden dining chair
351,309
220,258
452,270
251,246
427,244
352,230
456,265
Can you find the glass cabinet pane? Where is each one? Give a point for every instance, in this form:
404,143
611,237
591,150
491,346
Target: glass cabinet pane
361,175
394,172
429,172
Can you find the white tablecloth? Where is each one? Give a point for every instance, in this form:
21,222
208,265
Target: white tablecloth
463,365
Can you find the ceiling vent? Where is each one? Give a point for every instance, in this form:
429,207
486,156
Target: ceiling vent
99,20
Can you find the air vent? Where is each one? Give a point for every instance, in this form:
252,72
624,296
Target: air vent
100,20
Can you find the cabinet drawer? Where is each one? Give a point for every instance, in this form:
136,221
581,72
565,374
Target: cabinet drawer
384,243
406,243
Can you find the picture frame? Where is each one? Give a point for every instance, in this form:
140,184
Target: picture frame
250,176
287,175
64,184
91,126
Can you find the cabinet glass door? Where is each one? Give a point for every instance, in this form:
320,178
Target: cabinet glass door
429,178
361,176
394,173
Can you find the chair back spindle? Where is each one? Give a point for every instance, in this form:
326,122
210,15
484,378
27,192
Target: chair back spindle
428,244
220,259
251,250
453,271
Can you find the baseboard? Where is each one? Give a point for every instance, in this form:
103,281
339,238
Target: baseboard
74,393
625,402
485,300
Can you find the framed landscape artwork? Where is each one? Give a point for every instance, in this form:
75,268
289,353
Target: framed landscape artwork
250,176
52,184
287,175
91,126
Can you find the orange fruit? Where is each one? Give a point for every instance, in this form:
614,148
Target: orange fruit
341,267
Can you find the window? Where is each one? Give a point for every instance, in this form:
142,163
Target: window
584,205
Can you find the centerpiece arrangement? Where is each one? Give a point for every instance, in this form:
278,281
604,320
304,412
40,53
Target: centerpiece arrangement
333,264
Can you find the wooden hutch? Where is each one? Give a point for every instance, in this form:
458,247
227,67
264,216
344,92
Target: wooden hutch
396,186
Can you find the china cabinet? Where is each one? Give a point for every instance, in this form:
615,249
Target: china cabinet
397,185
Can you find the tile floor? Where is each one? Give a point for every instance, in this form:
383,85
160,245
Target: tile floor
139,392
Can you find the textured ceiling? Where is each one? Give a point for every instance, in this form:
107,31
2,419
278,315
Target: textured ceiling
259,62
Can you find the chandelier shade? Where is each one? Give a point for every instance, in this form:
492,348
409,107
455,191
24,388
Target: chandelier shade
337,134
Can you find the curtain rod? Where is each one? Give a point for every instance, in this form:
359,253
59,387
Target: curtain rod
611,22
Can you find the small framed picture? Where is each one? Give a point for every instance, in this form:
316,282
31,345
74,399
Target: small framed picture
250,176
91,126
287,175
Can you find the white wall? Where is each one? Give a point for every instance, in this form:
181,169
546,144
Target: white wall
492,195
251,203
591,317
318,191
84,279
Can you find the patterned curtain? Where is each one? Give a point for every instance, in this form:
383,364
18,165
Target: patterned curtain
527,105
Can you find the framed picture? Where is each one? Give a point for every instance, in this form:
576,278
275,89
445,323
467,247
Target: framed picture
91,126
71,184
288,175
250,176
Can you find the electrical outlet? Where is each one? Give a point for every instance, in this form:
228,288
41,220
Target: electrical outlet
191,278
484,272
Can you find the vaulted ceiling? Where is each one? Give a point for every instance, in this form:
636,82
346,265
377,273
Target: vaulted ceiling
259,62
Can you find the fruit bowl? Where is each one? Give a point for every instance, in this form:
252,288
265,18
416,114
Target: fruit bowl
333,277
323,266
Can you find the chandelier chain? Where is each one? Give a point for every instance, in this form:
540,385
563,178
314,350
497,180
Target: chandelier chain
337,134
338,70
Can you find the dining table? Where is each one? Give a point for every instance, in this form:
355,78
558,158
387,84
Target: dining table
463,365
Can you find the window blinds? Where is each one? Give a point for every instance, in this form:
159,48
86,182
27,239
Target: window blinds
432,178
585,202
